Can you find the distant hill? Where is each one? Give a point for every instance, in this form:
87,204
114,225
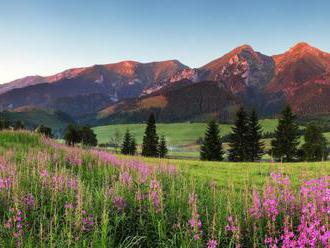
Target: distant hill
176,102
33,117
127,91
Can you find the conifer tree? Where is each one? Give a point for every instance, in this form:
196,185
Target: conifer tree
127,141
211,148
284,146
315,146
132,146
162,149
255,145
238,139
150,139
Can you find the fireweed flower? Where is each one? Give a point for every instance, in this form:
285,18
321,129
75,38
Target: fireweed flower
309,208
255,211
212,243
44,173
271,242
6,183
231,225
109,193
125,179
155,195
7,175
64,183
233,229
15,224
87,222
140,196
119,203
270,203
141,168
73,157
28,201
195,223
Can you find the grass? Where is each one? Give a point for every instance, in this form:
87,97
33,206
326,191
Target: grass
58,196
178,134
181,137
244,173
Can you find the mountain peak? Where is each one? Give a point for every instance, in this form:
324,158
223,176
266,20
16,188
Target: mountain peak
302,47
241,48
244,47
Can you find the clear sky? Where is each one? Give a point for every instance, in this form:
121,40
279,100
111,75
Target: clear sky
47,36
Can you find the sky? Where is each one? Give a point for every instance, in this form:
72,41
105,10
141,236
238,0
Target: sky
44,37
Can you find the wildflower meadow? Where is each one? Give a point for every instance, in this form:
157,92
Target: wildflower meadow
52,195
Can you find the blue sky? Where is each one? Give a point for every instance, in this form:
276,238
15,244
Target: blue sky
46,36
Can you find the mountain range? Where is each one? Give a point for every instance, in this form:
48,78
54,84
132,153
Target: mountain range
128,91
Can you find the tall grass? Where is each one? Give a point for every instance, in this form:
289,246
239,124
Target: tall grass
57,196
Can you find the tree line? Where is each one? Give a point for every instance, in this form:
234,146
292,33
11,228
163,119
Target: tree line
246,145
19,125
152,145
245,140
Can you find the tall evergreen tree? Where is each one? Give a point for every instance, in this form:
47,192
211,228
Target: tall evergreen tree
211,148
162,149
238,139
150,139
315,146
284,146
132,146
126,146
255,145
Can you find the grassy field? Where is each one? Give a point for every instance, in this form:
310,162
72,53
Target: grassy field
52,195
181,137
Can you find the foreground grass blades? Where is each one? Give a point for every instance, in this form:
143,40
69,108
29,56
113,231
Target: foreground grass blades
57,196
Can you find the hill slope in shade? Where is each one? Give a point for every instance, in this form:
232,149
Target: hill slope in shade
181,101
33,117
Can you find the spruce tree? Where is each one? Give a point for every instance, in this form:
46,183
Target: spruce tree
211,148
150,139
315,146
255,145
132,146
238,139
127,141
284,146
162,149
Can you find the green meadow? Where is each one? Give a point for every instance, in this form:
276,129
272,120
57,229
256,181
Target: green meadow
53,195
181,137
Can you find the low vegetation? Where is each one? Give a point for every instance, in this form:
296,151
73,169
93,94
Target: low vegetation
61,196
